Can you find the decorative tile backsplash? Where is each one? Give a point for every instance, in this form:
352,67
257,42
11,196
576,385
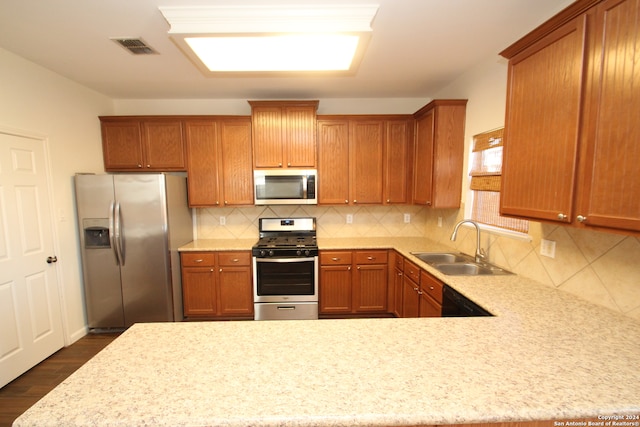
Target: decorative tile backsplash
603,268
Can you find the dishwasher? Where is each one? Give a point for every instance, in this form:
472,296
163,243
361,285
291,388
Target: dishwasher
454,304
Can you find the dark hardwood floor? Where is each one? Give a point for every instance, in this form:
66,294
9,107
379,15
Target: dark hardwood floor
17,396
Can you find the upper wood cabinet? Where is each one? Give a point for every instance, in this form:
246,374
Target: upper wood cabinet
219,161
363,159
142,144
439,152
284,134
571,150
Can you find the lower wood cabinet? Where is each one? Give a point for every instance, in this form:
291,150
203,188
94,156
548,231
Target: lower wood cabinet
353,282
421,293
217,284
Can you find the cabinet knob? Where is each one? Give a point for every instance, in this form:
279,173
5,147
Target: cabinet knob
211,270
419,292
355,201
388,200
358,268
148,166
349,268
562,217
220,270
581,218
346,201
139,165
217,202
400,273
235,260
279,165
288,165
226,202
415,289
430,287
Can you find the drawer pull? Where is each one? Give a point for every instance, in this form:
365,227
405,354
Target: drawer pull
431,287
371,258
335,259
235,260
198,260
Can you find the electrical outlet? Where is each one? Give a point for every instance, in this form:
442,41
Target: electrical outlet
349,219
548,248
223,220
440,221
407,218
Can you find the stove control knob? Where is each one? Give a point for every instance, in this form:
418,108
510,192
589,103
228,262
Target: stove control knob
306,252
271,252
298,252
263,252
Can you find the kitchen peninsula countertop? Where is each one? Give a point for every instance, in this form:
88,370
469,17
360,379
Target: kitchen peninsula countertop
546,355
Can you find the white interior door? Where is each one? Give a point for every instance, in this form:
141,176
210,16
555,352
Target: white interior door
30,314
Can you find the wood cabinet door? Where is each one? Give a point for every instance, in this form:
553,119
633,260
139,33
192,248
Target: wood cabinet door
267,137
299,123
335,289
122,145
397,167
398,278
366,157
235,161
163,144
410,298
236,291
202,163
544,95
370,288
428,306
198,292
423,167
611,192
333,162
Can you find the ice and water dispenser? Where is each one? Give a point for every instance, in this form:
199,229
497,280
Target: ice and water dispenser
96,233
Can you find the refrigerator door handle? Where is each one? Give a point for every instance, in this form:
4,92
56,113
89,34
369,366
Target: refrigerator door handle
118,233
112,232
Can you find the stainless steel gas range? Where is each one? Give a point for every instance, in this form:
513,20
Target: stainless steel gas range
285,269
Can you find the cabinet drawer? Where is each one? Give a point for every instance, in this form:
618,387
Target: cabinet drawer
431,286
412,271
335,258
234,258
198,259
371,257
399,261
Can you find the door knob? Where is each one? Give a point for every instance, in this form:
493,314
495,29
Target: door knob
52,259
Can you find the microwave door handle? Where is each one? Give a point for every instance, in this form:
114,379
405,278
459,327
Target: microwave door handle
304,186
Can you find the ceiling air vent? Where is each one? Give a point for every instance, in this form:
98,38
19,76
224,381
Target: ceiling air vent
137,46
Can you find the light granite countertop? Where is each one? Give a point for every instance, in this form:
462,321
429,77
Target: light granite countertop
546,355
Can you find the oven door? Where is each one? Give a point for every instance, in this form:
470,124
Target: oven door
285,279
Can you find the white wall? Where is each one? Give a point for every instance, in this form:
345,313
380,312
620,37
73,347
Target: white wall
39,102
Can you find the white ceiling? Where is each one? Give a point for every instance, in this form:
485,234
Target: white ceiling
417,47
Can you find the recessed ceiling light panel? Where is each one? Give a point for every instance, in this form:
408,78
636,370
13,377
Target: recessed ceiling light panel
268,39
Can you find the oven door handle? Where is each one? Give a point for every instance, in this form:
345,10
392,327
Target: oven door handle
284,260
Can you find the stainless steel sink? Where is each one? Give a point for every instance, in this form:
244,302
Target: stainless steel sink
458,264
442,257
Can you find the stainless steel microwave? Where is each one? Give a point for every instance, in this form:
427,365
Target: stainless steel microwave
285,187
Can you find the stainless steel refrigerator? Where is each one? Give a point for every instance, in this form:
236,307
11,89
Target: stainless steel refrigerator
131,226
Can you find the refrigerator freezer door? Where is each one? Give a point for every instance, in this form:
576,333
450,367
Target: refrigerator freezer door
144,248
101,273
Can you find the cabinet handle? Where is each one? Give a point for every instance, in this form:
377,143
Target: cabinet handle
355,201
335,259
288,165
349,268
211,270
388,200
139,165
581,218
220,270
562,216
279,165
358,267
226,202
371,258
415,289
419,292
235,260
399,274
148,166
431,287
198,260
217,202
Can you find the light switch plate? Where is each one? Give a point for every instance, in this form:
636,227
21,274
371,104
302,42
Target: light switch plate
548,248
349,219
223,220
407,218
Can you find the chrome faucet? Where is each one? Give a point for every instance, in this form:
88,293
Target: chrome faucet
480,253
